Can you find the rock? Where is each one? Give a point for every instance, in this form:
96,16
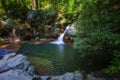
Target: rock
90,77
36,77
16,67
44,77
16,61
16,74
13,61
3,52
71,30
3,66
6,57
58,78
68,76
73,76
52,77
30,70
78,76
49,78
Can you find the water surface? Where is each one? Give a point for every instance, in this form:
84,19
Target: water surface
57,59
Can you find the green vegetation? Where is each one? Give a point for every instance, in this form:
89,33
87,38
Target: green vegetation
97,22
99,34
39,15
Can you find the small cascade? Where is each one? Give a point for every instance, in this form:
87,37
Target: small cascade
60,38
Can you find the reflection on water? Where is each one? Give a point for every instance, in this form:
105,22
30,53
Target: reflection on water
62,57
61,48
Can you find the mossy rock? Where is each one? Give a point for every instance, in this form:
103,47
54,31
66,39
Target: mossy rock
42,66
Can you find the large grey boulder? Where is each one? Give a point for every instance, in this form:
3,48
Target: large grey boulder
15,67
16,74
13,61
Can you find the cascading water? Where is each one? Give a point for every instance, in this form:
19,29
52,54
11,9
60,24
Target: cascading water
60,38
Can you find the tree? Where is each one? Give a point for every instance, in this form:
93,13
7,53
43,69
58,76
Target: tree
98,33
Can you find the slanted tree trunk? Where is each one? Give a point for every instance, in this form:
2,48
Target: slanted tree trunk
35,4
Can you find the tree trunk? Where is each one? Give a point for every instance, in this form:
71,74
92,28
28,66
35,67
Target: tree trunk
35,4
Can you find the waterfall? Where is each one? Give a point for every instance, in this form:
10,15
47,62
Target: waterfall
60,38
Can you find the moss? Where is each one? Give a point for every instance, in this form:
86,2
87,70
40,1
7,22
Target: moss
42,66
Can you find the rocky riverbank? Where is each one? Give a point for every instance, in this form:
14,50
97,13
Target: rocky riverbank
17,67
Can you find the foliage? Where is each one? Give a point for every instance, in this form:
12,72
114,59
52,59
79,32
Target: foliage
15,9
98,34
47,12
115,67
6,30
